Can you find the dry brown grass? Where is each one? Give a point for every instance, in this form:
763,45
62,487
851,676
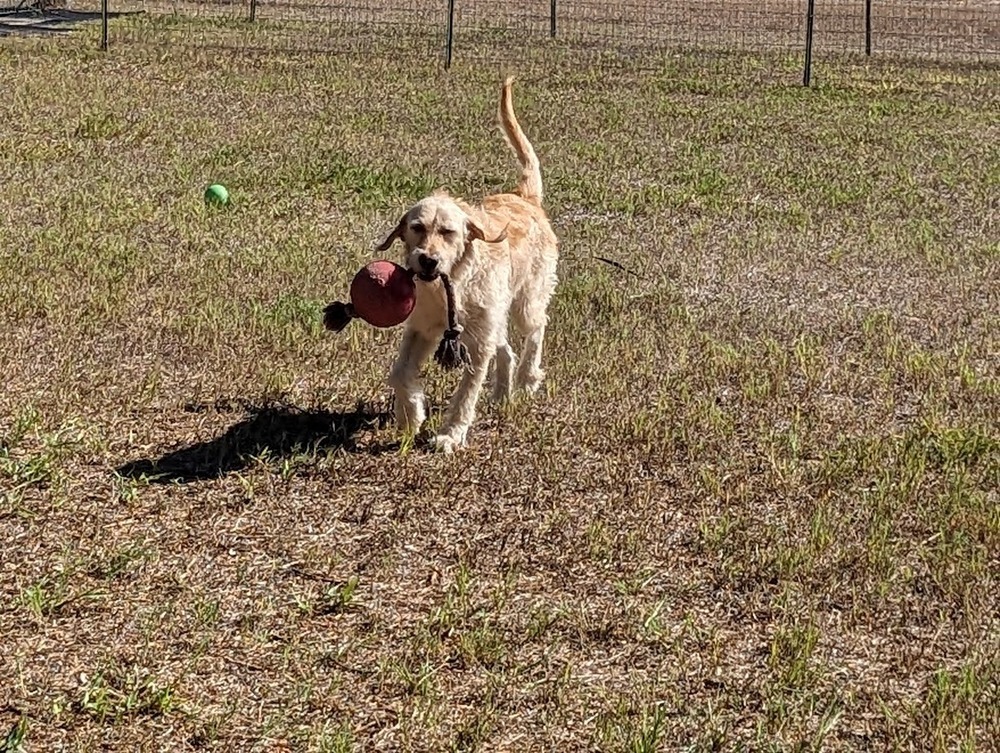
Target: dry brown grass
756,509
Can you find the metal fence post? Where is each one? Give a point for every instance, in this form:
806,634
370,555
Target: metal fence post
810,14
104,25
552,18
449,42
868,27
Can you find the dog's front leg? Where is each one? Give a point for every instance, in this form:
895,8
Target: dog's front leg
404,379
462,408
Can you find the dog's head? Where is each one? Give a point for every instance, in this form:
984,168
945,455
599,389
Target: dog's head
437,234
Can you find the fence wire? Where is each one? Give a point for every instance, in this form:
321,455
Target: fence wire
543,30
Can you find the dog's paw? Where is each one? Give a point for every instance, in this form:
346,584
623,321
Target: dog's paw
446,444
529,382
410,414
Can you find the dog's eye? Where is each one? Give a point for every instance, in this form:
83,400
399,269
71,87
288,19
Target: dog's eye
447,232
417,227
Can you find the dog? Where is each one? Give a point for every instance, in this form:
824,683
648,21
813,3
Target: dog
501,258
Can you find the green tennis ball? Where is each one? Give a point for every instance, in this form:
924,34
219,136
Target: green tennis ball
216,194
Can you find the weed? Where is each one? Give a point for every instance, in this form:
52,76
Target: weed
14,741
117,693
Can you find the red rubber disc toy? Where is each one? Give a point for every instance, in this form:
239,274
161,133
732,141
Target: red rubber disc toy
382,293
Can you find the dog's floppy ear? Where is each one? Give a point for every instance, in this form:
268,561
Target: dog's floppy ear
476,233
396,232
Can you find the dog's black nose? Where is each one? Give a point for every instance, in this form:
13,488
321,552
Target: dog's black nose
428,264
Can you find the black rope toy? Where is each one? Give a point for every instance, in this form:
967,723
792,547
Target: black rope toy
383,294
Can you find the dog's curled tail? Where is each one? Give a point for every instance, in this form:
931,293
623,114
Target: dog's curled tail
530,185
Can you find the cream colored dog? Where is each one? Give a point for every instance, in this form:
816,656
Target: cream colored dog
501,259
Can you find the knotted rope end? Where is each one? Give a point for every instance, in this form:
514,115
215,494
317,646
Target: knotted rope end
338,315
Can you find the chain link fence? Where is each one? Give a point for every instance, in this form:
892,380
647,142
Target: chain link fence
469,32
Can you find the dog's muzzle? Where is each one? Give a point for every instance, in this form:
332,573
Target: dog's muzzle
427,268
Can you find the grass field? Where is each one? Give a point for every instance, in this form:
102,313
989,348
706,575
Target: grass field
755,508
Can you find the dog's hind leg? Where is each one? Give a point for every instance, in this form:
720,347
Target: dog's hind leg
529,372
503,375
503,368
404,379
531,321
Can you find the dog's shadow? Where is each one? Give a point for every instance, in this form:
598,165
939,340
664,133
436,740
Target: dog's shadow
270,431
